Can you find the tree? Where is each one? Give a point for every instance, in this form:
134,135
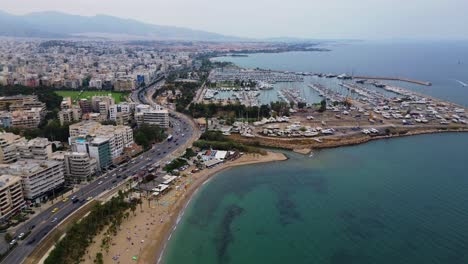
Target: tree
323,106
8,237
99,258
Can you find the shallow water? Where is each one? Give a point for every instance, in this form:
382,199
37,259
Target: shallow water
391,201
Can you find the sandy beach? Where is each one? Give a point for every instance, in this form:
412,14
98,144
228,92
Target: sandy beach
142,237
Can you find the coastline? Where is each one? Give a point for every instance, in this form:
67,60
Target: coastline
305,145
161,221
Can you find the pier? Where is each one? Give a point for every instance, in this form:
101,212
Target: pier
394,79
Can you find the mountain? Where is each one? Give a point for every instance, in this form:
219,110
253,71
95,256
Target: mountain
60,25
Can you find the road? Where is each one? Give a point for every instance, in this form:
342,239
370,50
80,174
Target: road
42,223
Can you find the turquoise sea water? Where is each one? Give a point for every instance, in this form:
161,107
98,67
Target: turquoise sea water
392,201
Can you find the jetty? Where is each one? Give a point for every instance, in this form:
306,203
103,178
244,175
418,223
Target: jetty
393,79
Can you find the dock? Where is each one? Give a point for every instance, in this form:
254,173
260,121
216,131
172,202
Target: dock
393,79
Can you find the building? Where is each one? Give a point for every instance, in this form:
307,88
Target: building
100,149
27,118
95,83
37,148
119,137
85,105
7,101
40,177
5,119
78,166
8,153
66,103
68,116
124,84
11,196
153,116
121,113
27,105
106,100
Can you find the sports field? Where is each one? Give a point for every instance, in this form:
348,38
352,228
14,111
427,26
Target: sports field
76,95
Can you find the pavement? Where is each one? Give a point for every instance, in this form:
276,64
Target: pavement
184,132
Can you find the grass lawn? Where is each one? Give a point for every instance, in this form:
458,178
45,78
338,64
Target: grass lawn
75,95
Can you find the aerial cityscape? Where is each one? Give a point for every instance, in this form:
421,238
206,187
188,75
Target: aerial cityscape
128,137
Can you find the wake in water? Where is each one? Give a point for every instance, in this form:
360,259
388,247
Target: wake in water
462,83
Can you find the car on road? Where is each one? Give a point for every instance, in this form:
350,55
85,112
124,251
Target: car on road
54,220
12,242
30,242
55,210
21,235
99,183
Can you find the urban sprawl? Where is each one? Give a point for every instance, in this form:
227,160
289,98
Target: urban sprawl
149,116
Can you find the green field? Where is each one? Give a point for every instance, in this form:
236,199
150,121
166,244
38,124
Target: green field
76,95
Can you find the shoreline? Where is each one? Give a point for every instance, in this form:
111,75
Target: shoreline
153,240
302,145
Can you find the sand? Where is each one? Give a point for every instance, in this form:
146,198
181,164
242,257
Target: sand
144,234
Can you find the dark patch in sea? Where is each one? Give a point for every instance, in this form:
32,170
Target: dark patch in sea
261,233
225,237
347,215
319,184
342,256
288,212
372,223
359,232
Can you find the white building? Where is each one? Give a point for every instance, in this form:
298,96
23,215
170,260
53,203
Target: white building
119,136
146,114
8,152
40,177
37,148
95,83
78,166
67,116
27,118
121,113
11,196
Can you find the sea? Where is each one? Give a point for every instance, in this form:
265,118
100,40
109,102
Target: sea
402,200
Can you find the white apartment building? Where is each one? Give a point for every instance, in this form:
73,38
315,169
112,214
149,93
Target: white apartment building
69,115
119,137
78,166
120,108
95,83
153,116
37,148
8,153
26,118
96,100
11,196
40,177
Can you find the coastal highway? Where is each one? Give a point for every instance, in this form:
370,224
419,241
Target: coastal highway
45,221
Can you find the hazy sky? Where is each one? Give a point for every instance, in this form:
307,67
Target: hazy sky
364,19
